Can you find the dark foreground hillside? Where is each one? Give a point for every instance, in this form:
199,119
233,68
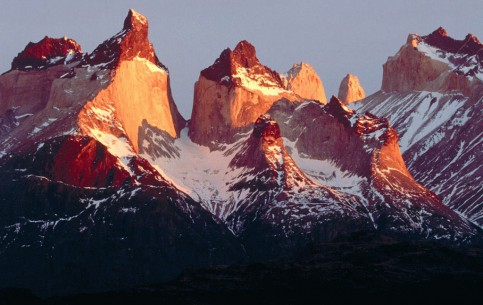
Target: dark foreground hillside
361,267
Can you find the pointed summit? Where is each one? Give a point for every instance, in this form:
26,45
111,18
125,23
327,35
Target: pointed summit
240,66
245,54
440,32
350,90
138,95
304,81
231,94
135,21
337,109
132,42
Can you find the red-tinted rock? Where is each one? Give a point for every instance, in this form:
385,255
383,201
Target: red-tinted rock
131,42
265,126
440,39
231,94
337,109
47,52
243,56
78,161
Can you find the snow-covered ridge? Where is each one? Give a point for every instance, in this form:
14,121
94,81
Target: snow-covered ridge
201,173
415,115
461,63
257,82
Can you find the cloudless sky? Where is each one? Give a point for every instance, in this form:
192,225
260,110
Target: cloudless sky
334,36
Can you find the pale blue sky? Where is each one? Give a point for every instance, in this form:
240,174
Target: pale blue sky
335,37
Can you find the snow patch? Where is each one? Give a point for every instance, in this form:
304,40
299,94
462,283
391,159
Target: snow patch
257,82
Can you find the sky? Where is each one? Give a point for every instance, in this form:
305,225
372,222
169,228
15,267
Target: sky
335,37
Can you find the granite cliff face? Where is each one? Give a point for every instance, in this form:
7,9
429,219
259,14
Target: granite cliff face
304,81
432,95
75,194
435,62
105,186
231,94
138,91
350,90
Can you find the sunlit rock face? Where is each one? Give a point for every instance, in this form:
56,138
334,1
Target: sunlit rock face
73,185
435,62
304,81
47,52
432,93
108,94
139,90
231,94
350,90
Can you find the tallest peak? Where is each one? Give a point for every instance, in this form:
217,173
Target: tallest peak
135,20
130,43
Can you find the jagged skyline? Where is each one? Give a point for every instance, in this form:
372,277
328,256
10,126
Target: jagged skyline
353,37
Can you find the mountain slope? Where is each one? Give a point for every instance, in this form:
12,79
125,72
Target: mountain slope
81,211
358,154
105,186
440,127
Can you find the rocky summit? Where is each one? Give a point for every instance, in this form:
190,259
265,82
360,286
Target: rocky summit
433,101
350,90
106,187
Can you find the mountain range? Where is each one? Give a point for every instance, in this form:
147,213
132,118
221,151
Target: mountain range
106,186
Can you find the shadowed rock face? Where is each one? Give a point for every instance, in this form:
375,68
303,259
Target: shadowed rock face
350,90
283,206
47,52
440,39
304,81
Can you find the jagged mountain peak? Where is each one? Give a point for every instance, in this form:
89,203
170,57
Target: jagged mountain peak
130,43
231,94
440,39
439,32
47,52
245,54
337,108
239,66
135,20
